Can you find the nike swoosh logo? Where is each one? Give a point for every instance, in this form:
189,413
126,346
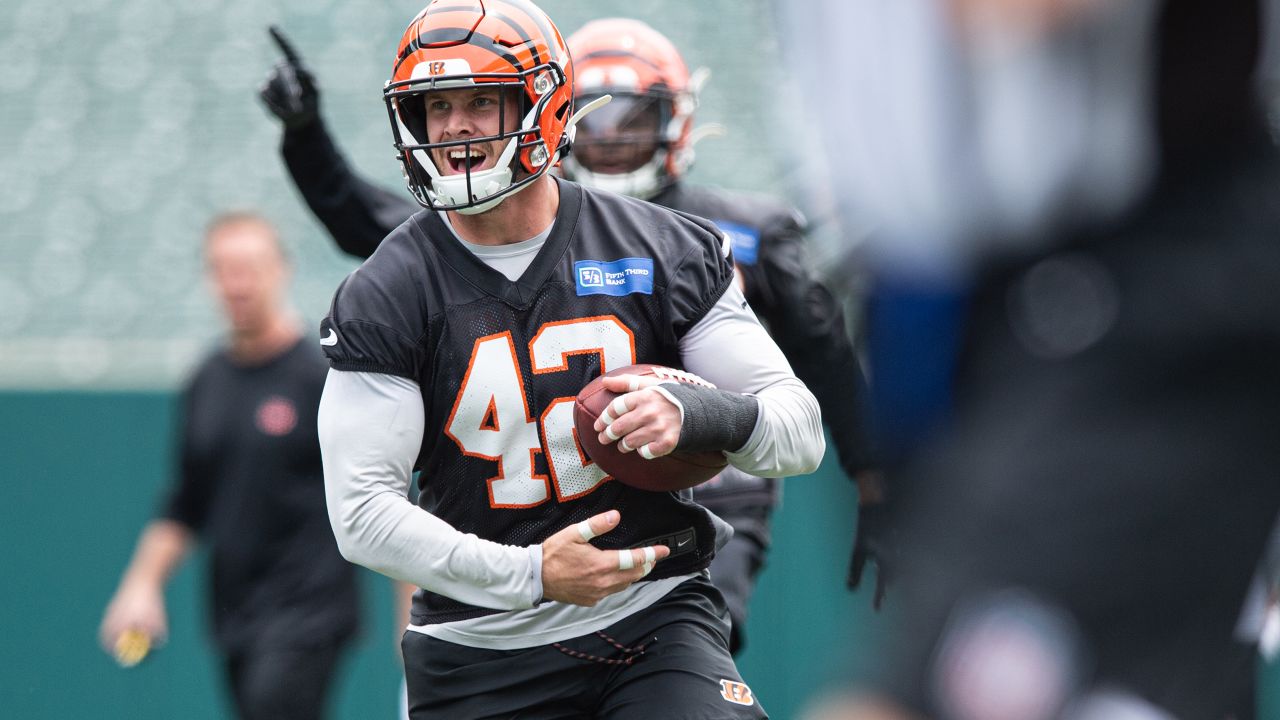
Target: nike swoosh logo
683,542
329,340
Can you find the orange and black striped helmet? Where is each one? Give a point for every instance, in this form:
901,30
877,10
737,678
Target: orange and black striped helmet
653,94
455,44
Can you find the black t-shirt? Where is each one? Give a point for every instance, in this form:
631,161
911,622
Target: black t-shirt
253,488
618,281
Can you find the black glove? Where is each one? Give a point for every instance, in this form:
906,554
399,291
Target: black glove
874,543
290,91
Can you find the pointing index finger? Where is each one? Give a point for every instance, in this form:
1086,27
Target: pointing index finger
283,43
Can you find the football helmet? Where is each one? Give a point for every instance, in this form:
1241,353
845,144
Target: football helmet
510,45
643,140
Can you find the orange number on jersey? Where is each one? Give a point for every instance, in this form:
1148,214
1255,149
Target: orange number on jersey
491,419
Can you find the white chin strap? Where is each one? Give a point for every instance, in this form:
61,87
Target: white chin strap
452,189
485,184
643,182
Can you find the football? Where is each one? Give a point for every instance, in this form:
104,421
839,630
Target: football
675,471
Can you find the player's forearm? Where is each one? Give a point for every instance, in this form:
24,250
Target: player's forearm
730,348
787,439
388,535
161,549
371,428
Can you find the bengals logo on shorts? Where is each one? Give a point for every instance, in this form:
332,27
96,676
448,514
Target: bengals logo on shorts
736,692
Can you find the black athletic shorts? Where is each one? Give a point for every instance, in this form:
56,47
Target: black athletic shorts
670,660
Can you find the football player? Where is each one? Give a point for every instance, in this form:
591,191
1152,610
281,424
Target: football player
642,144
458,348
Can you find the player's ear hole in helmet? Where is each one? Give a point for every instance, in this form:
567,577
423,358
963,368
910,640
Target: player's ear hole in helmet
455,45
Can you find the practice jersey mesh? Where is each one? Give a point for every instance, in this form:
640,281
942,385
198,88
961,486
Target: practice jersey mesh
499,363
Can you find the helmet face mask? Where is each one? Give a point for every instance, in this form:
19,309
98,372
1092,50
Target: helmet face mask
437,183
624,146
623,135
452,48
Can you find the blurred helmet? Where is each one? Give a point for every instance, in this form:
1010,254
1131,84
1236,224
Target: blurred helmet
510,44
641,141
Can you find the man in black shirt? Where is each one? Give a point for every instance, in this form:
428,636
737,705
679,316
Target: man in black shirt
549,588
251,487
641,144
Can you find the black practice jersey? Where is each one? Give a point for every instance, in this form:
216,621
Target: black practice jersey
500,363
768,247
252,486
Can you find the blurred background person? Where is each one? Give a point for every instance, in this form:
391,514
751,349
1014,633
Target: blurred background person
1075,203
251,487
640,144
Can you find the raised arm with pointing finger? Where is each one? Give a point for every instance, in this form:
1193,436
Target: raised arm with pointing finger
357,213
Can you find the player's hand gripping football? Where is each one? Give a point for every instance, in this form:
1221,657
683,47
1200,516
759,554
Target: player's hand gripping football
289,91
644,420
577,572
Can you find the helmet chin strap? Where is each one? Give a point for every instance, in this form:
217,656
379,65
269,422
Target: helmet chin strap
643,182
452,189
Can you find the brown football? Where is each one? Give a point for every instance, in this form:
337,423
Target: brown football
675,471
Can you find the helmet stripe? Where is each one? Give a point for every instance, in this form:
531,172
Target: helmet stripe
610,53
524,36
462,32
492,46
539,19
527,28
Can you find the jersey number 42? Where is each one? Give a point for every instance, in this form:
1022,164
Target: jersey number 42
491,417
